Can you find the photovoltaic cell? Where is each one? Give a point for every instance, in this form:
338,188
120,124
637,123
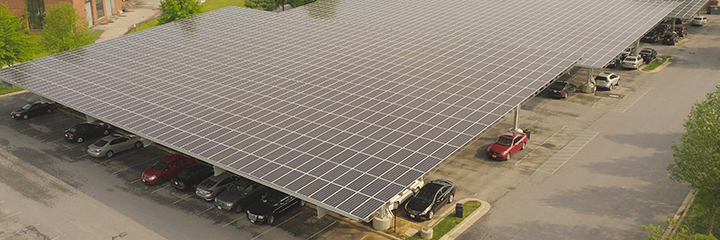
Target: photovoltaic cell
342,117
687,9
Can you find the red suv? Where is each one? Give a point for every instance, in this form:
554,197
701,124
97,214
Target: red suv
166,168
681,31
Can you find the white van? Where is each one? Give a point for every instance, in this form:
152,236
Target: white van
699,21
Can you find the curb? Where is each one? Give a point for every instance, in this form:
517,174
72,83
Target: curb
13,93
680,214
468,221
661,67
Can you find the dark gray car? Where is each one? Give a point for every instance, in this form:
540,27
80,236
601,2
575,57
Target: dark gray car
238,194
214,185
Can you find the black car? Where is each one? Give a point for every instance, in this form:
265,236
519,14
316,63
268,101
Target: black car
648,54
81,131
560,89
238,194
192,176
33,109
670,39
652,37
271,205
430,198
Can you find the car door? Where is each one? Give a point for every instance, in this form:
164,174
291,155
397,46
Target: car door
122,144
516,144
93,130
34,110
284,204
174,166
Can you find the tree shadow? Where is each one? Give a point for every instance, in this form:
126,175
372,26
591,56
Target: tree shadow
647,140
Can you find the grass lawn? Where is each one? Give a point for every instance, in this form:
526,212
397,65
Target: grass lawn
450,221
657,62
9,90
696,218
209,5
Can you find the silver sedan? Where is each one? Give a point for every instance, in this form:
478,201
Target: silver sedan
110,145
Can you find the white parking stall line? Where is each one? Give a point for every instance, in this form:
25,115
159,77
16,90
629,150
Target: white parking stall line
276,226
204,211
183,199
135,165
536,148
599,101
233,221
321,230
566,153
626,103
134,181
9,216
164,187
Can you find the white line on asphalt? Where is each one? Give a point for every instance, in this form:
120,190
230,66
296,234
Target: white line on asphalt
206,210
276,226
2,201
601,100
182,199
626,103
126,168
8,216
233,221
548,139
164,187
566,153
321,230
134,181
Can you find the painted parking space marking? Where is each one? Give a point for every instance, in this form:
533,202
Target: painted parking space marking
566,153
233,221
184,198
626,103
276,226
9,216
536,148
135,165
321,230
161,188
204,211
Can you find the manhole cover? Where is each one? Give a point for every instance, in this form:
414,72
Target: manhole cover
548,145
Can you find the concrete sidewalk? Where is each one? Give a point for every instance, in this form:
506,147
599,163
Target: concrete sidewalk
120,24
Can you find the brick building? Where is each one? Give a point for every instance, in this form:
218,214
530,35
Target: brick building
95,11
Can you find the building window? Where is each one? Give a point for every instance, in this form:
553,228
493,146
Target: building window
99,7
35,13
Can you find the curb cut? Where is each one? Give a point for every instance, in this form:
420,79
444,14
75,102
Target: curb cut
469,220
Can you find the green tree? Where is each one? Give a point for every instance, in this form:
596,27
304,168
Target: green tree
265,5
64,29
697,157
178,9
15,43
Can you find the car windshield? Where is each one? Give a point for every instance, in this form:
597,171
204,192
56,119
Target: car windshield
631,59
100,143
237,189
600,78
426,194
27,106
271,200
159,166
558,85
504,141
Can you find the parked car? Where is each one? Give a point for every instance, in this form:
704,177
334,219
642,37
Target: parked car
166,168
108,146
271,204
33,109
648,54
670,39
238,194
627,52
81,131
652,37
429,199
560,89
209,188
192,176
699,21
681,31
632,62
507,144
677,21
607,80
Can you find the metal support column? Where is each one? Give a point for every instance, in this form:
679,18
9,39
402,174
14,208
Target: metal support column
90,119
218,170
6,84
321,212
637,48
517,119
589,85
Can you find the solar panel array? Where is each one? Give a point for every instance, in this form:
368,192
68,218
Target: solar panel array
687,9
597,30
344,118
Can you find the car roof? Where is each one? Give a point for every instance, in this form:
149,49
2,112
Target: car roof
111,137
647,49
222,176
606,74
173,157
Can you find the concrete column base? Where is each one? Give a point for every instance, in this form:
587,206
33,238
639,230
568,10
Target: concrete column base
381,223
588,88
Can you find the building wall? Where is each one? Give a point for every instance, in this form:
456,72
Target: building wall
19,7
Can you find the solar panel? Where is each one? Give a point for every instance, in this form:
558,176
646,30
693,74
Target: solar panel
687,9
597,30
344,118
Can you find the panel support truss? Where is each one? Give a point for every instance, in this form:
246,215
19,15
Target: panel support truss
218,170
6,84
90,119
321,211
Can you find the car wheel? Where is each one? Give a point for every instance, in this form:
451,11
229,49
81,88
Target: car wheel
26,116
80,140
160,180
508,157
138,145
109,154
617,83
431,214
49,110
302,203
609,87
238,208
451,198
106,132
271,220
523,146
